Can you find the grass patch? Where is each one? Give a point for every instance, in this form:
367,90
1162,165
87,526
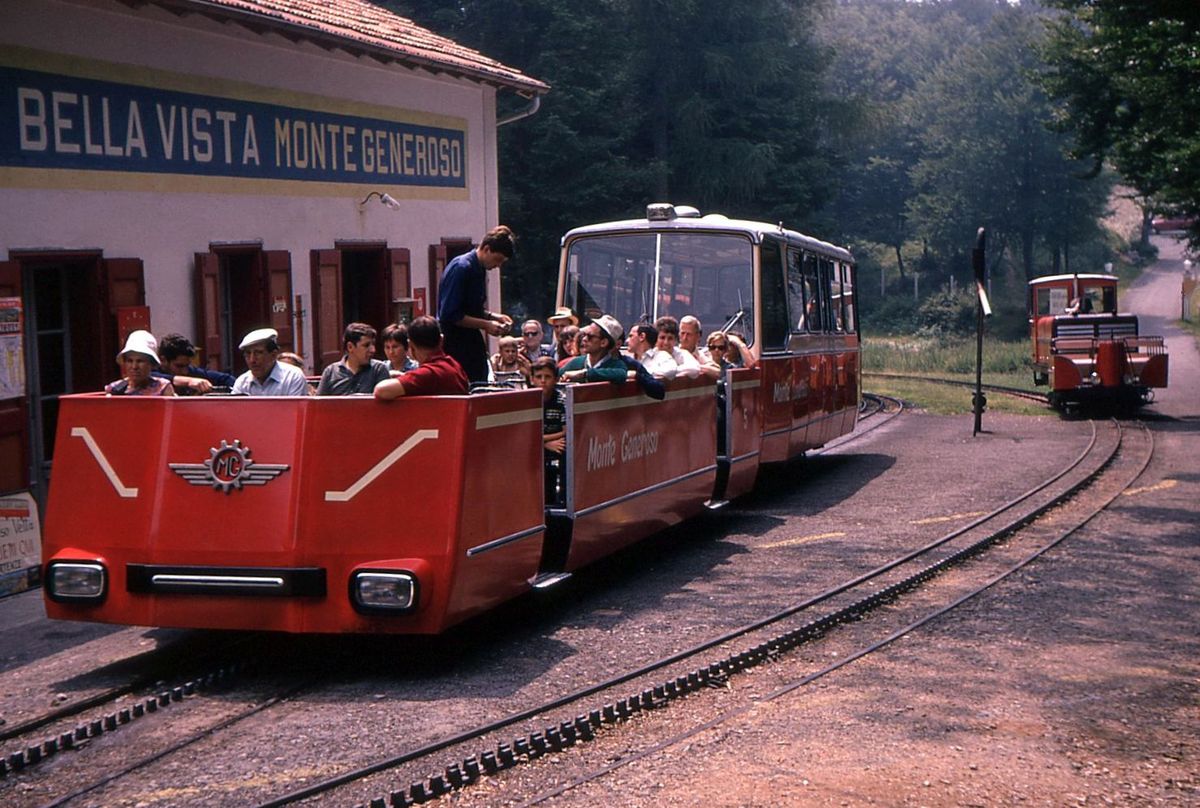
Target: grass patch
1004,363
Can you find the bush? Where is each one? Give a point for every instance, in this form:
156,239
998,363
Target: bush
946,314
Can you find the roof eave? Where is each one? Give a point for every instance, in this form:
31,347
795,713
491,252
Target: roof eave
259,23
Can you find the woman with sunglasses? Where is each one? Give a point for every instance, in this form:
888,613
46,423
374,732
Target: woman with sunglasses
729,350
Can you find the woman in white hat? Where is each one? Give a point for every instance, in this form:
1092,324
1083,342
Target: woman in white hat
137,359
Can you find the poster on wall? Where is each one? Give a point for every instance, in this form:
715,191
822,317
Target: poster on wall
12,358
20,544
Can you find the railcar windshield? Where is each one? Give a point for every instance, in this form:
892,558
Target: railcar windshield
639,277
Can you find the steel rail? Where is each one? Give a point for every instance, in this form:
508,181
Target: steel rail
1016,392
35,753
878,645
585,724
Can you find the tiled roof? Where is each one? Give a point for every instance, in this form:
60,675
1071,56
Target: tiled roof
360,26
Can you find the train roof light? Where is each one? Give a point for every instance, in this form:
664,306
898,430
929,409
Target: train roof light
665,212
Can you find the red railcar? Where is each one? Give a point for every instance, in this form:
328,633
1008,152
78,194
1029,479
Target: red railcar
332,515
1085,349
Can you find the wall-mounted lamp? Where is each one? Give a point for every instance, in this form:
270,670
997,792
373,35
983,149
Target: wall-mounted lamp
386,198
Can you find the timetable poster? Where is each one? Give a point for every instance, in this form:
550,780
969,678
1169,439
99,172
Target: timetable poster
12,358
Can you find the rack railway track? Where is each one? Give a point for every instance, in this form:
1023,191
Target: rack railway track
481,751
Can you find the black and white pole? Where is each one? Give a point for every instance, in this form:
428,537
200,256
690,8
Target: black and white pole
982,309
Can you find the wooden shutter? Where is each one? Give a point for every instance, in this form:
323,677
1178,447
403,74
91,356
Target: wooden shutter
326,307
10,279
277,264
122,283
397,278
209,326
437,262
125,283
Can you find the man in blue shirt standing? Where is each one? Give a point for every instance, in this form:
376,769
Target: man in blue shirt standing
462,300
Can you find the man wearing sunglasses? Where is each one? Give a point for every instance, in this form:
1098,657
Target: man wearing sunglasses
531,341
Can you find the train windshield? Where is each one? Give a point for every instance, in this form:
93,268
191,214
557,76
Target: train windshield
639,277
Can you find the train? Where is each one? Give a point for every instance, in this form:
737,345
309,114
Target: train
332,515
1088,352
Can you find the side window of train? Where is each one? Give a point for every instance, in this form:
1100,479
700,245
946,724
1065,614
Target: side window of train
795,289
836,299
814,303
830,319
848,297
774,295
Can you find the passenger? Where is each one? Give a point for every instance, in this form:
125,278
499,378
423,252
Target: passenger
177,353
462,300
562,318
293,359
1080,305
138,359
568,345
266,375
531,341
297,361
395,348
730,350
437,372
509,363
554,423
642,339
668,343
689,340
601,360
356,373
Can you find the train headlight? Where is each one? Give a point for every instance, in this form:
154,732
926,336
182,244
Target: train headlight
76,581
383,592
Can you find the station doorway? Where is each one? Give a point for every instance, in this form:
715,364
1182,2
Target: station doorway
240,288
73,306
356,282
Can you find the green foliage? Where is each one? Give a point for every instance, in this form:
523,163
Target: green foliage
934,356
945,313
1128,74
894,125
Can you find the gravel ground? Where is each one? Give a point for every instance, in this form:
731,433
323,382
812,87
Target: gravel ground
1074,682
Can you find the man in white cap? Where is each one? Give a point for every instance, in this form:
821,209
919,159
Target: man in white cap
266,376
601,360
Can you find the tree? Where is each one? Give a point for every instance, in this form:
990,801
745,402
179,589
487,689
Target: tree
1128,74
988,157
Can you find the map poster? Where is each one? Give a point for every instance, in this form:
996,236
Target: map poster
12,358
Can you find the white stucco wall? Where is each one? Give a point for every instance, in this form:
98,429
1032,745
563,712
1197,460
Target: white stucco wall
165,226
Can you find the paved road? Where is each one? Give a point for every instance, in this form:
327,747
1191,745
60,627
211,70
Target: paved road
1156,298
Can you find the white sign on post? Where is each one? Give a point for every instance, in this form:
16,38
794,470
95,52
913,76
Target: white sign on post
20,543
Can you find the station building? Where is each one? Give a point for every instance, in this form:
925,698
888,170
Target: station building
209,167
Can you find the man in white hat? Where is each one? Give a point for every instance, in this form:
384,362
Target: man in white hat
266,376
601,360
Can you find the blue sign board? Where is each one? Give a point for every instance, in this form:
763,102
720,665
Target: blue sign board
53,121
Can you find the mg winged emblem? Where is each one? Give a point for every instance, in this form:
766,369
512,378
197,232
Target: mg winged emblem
229,467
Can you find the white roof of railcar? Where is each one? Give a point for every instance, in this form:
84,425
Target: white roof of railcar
1081,276
712,223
